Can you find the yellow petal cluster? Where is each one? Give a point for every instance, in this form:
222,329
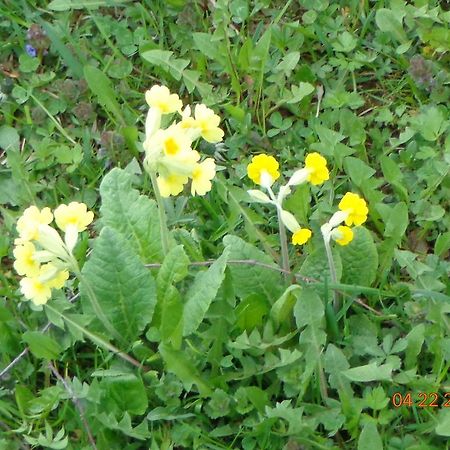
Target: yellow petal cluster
75,214
343,235
168,151
316,165
41,256
160,98
355,207
263,170
28,224
301,236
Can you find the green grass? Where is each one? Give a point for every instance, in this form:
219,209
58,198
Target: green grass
270,365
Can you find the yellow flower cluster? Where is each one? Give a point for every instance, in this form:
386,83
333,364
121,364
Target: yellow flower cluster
41,255
169,152
263,170
352,211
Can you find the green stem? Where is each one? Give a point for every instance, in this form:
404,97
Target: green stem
336,299
94,302
96,339
162,214
283,243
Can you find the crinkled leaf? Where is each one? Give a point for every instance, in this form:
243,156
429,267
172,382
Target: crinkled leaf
359,259
250,278
124,288
134,216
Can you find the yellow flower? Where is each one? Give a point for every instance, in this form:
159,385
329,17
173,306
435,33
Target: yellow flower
301,236
25,264
316,165
208,122
342,235
75,214
28,223
159,97
52,276
174,141
171,185
263,170
202,175
35,290
355,207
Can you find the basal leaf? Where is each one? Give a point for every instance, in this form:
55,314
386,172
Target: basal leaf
167,62
173,269
359,259
123,287
101,86
369,438
369,372
42,345
132,215
251,278
201,293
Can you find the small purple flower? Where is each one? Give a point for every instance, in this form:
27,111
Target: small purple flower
31,50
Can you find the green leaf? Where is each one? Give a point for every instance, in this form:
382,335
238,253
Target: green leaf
359,259
9,138
101,86
123,287
132,215
250,278
369,372
202,292
309,309
395,218
177,363
370,439
250,312
125,392
415,339
167,62
283,307
208,45
316,267
358,171
443,425
300,92
67,5
42,345
174,269
391,22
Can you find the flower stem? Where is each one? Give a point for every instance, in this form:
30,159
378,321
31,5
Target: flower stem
336,300
162,214
96,339
283,243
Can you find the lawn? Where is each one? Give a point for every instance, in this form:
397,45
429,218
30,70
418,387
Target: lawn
224,224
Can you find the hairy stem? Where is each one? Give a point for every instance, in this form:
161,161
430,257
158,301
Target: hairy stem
162,214
283,243
336,299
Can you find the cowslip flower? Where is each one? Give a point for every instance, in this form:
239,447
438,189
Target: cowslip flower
172,184
343,235
25,262
208,122
72,219
160,98
41,256
315,171
299,235
168,151
202,175
28,224
355,207
352,211
263,170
